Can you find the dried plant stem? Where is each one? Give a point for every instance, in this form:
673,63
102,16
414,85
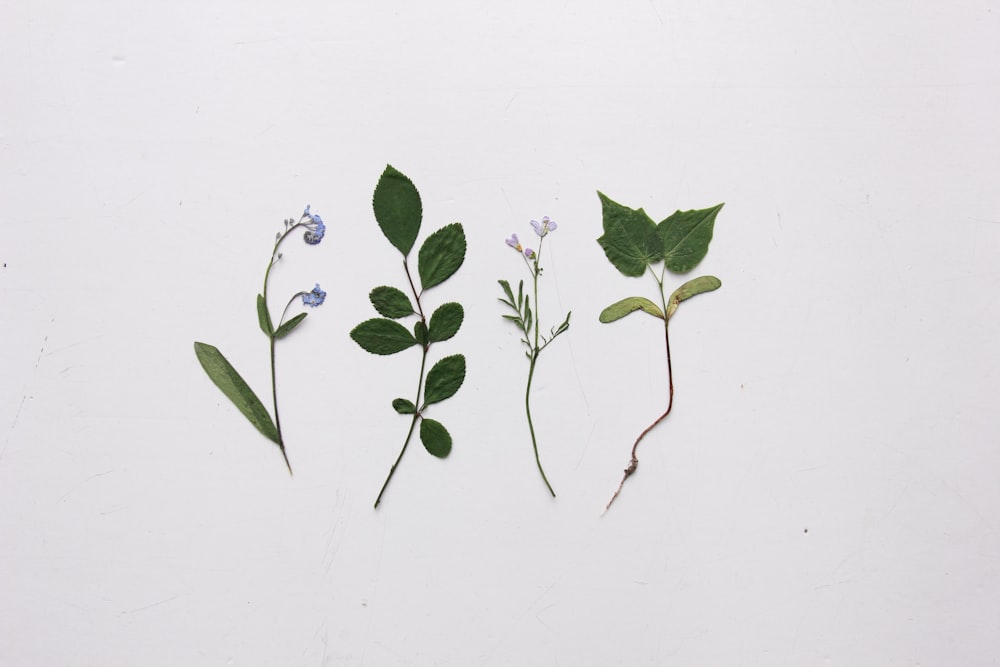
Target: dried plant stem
634,463
531,426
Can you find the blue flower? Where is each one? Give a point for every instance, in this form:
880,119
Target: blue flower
545,226
315,297
315,229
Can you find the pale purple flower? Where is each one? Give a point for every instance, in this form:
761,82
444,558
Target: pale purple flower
545,226
514,243
529,253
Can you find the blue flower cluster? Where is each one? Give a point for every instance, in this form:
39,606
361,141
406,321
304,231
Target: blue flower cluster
315,229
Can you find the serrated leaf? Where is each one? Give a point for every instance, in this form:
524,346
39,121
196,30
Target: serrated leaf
441,255
685,236
382,336
398,210
391,302
264,317
403,406
444,379
620,309
445,322
691,288
420,332
435,437
225,377
629,240
287,327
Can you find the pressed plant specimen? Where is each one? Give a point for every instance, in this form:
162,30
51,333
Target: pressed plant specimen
222,372
528,321
636,245
399,212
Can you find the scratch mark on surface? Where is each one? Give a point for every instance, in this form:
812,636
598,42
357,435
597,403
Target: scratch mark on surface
18,413
100,474
148,606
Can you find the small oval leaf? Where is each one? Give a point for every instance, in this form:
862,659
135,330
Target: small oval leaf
441,255
445,322
403,406
618,310
420,332
435,437
287,327
398,210
381,336
236,389
390,302
444,379
691,288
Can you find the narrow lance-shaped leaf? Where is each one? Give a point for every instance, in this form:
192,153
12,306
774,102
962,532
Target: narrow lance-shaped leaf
444,379
685,236
690,289
507,291
398,210
629,239
435,437
287,327
620,309
441,255
391,302
236,389
381,336
445,322
263,317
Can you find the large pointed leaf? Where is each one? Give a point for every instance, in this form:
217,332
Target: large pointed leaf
445,322
391,302
618,310
629,239
685,236
441,255
444,379
381,336
236,389
690,289
435,437
264,317
397,209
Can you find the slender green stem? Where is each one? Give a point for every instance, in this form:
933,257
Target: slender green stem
425,347
531,426
634,462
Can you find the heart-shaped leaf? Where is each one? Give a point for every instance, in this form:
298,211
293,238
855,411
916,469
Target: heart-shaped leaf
382,336
618,310
236,389
445,322
441,255
629,239
391,302
685,236
444,379
690,289
435,437
397,209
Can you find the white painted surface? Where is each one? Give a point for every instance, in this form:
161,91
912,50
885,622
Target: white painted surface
824,493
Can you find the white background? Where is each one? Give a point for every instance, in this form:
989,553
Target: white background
825,492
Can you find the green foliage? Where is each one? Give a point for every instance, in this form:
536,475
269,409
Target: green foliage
287,327
441,255
236,389
689,289
445,322
398,210
629,305
445,379
403,406
391,302
382,336
263,317
629,239
435,437
685,236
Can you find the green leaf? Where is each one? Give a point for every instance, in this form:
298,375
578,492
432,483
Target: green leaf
506,290
629,239
263,317
397,209
620,309
236,389
381,336
444,379
690,289
435,437
391,302
287,327
441,255
403,406
685,236
420,332
445,322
